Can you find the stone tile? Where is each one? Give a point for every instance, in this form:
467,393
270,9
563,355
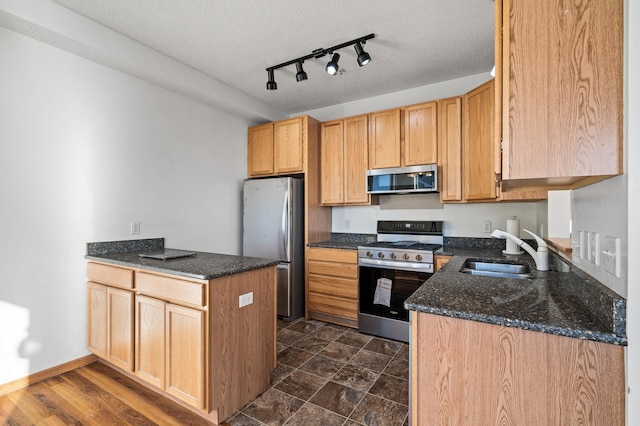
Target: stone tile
382,346
337,398
371,360
398,368
312,415
242,420
280,372
350,422
305,327
301,385
311,344
339,351
374,410
354,339
280,347
403,352
356,377
282,324
392,388
288,337
273,407
294,357
339,327
322,366
328,333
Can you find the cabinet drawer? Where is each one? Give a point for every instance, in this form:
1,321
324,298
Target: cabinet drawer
333,255
343,270
339,287
171,289
110,275
333,305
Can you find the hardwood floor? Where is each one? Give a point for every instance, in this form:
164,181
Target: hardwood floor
91,395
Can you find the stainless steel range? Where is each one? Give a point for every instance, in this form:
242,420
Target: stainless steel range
391,269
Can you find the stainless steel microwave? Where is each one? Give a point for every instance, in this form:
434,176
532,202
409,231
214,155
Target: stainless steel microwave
403,180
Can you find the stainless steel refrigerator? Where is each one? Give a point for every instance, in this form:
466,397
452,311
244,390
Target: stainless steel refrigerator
273,228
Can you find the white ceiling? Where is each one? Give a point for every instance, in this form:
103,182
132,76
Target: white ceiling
418,42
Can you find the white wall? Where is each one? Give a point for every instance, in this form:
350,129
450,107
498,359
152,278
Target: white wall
84,150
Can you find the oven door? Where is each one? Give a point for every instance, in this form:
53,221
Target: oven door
383,291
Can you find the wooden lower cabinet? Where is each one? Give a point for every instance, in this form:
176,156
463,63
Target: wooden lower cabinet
439,261
471,373
332,294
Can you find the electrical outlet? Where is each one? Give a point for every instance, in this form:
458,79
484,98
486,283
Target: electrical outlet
245,299
134,227
575,245
594,247
583,244
611,255
487,227
347,224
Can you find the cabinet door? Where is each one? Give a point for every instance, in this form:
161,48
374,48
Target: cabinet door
185,356
288,146
97,319
120,328
479,150
260,150
356,154
562,90
450,149
384,139
420,145
150,340
331,163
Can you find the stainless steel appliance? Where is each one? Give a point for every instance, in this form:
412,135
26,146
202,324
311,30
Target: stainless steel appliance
273,228
391,269
403,180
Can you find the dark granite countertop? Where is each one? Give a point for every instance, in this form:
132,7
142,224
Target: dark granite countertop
345,241
201,265
563,301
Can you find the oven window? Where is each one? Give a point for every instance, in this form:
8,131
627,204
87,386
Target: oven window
403,284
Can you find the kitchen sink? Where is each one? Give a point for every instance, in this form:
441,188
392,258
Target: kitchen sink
496,269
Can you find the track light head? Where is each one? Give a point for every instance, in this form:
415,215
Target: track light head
300,74
332,66
363,57
271,82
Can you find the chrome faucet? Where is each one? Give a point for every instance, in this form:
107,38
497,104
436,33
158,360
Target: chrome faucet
541,256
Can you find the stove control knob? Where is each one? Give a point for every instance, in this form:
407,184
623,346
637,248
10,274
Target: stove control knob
369,253
405,256
418,257
392,255
380,254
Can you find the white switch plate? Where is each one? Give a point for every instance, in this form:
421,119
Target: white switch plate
611,255
245,299
576,247
347,224
594,247
134,227
487,227
584,249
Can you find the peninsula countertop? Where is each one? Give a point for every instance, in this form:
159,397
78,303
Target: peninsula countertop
200,265
563,301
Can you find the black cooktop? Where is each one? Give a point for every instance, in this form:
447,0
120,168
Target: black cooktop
409,245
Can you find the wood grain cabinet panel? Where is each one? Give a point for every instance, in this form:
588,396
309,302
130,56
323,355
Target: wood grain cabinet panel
384,139
288,146
450,149
420,131
562,91
120,328
332,162
467,372
97,319
110,275
260,150
150,340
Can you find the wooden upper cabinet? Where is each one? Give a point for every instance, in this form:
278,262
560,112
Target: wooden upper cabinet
450,149
288,146
344,161
420,131
355,160
332,162
260,150
562,91
384,139
479,148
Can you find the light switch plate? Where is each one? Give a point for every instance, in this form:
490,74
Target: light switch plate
611,255
576,246
594,248
245,299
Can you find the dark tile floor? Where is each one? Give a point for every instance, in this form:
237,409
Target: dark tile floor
332,375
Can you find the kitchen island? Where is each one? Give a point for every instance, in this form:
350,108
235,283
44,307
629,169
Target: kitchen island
542,350
199,328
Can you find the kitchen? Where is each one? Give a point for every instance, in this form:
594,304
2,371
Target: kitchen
60,167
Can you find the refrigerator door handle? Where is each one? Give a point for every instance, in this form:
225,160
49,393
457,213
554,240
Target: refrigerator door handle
285,226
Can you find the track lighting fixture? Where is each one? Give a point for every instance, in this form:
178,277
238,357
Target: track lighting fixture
332,66
300,74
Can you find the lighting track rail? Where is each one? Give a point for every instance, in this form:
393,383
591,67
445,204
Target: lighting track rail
332,65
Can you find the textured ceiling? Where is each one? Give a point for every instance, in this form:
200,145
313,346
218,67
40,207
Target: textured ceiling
418,42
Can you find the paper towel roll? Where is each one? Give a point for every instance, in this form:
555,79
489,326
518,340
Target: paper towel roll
513,228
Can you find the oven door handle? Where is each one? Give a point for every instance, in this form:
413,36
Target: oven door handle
394,264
